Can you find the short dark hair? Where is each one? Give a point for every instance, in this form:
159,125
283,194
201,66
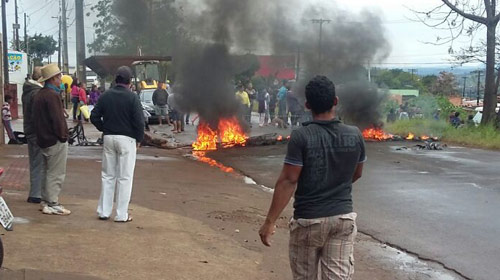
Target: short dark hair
320,94
123,75
7,98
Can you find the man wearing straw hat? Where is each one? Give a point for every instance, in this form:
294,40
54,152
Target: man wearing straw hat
52,136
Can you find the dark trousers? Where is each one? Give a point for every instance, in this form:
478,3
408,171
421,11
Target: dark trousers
75,101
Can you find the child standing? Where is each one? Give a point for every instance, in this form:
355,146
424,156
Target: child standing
6,118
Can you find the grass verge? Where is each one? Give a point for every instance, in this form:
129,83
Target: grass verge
482,137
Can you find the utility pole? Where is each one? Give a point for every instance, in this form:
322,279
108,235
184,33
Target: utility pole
463,93
320,50
369,72
2,88
297,66
59,48
5,47
17,27
26,45
478,84
64,38
413,71
81,70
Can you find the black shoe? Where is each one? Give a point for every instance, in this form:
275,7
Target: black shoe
103,218
34,200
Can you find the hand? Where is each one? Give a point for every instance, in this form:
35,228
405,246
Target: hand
138,144
265,232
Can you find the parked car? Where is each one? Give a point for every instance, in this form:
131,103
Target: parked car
146,97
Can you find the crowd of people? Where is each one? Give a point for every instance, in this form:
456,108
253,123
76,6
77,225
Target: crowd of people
278,106
322,209
117,113
407,112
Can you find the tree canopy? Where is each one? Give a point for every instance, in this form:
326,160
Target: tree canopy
129,26
40,47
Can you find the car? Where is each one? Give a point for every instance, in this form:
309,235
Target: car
146,97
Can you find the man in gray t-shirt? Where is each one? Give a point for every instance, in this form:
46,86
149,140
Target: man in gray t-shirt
324,158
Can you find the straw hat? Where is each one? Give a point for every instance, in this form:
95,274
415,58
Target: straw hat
49,71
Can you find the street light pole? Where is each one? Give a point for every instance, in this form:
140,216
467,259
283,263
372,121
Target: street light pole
5,45
478,84
16,27
463,93
320,21
64,38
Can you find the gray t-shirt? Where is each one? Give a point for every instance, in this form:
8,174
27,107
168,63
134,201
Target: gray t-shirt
328,152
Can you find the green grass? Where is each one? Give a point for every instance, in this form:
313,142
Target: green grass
482,137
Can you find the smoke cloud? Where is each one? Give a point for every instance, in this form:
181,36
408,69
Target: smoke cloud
219,29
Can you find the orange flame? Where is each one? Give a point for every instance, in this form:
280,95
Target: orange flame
207,138
231,133
376,134
203,158
410,136
228,131
280,138
424,137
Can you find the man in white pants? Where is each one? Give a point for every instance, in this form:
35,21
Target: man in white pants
118,114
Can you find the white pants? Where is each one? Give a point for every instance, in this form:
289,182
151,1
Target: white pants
118,163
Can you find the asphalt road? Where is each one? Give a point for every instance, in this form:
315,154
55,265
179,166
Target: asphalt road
441,205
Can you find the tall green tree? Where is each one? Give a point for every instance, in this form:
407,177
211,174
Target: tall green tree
40,47
127,26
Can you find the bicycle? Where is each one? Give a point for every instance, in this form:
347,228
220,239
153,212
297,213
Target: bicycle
77,134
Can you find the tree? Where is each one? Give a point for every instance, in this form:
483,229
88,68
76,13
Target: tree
40,47
395,79
465,18
125,26
445,84
428,82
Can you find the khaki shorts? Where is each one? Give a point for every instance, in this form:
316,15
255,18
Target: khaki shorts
323,246
161,110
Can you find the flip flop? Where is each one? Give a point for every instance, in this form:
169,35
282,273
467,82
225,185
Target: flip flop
129,219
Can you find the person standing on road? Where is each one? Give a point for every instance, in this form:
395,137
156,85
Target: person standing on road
37,165
242,97
75,99
175,114
324,158
94,95
119,115
160,101
282,95
51,132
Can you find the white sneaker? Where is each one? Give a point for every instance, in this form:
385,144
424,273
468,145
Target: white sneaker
42,205
55,210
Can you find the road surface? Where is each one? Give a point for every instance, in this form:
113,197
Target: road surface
440,205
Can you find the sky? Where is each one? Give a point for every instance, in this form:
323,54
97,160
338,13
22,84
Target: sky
407,37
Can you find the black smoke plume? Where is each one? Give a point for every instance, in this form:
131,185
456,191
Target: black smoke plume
216,30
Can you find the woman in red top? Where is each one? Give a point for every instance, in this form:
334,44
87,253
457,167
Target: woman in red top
82,94
75,93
